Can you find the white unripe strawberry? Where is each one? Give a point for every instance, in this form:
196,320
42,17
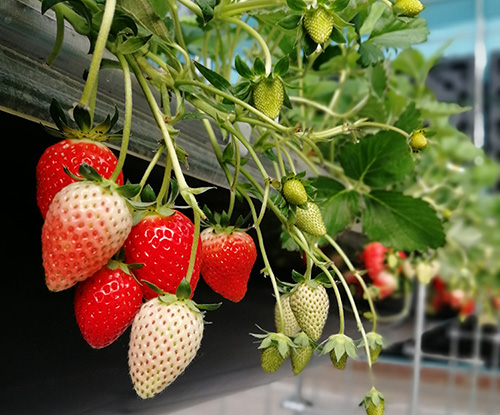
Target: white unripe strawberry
164,339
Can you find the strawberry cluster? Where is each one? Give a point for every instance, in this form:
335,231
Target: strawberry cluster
130,263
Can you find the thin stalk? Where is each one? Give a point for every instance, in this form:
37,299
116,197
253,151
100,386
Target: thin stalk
194,245
256,35
243,104
267,266
184,188
246,6
127,118
59,40
348,262
100,44
150,168
383,126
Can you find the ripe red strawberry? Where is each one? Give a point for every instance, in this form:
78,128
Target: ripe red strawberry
105,305
51,177
165,336
373,257
227,260
86,225
163,245
386,284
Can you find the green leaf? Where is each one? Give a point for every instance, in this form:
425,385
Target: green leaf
391,32
379,160
290,22
340,206
82,117
409,119
133,44
242,68
337,36
378,79
207,9
369,54
339,5
296,5
144,13
213,77
281,67
258,67
401,221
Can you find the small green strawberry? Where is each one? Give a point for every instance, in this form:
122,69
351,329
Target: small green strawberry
290,325
340,347
318,23
275,349
339,363
310,303
301,355
294,192
408,8
373,402
309,220
269,96
271,359
418,140
375,344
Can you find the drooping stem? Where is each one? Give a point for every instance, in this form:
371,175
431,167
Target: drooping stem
100,44
59,40
184,188
194,245
256,35
351,268
127,118
267,265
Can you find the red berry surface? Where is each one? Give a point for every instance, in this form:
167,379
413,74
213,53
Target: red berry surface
163,245
51,177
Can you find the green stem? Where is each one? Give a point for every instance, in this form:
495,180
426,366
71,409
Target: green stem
246,6
150,168
194,245
243,104
184,189
267,266
100,44
256,35
59,37
351,268
128,116
381,125
193,7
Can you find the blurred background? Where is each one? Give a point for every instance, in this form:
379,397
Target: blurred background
438,360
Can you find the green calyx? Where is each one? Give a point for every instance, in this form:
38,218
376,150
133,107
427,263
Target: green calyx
375,345
100,132
340,347
373,402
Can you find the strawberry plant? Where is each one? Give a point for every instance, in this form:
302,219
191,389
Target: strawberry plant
344,136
